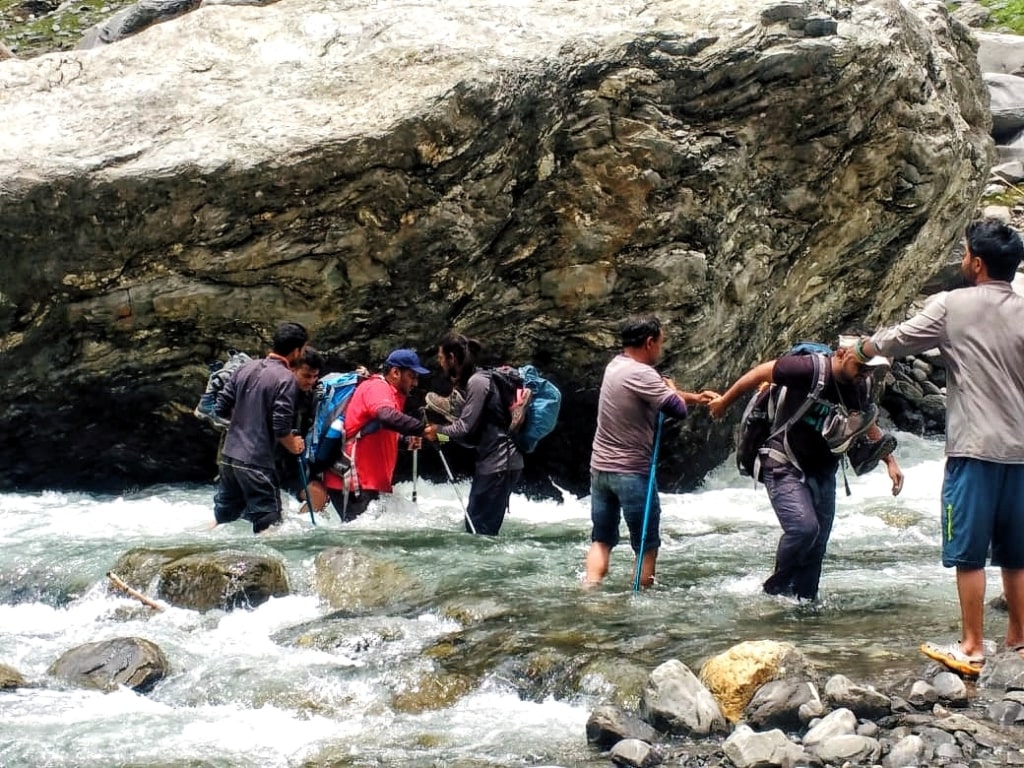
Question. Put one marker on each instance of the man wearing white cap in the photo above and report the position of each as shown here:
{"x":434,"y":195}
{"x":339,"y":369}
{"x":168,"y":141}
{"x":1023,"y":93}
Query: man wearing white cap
{"x":800,"y":459}
{"x":979,"y":332}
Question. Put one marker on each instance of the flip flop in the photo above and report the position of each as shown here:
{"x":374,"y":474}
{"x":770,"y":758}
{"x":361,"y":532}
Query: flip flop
{"x":951,"y":657}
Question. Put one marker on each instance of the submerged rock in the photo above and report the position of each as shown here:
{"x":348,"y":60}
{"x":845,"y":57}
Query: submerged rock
{"x":10,"y":678}
{"x":129,"y":661}
{"x":348,"y":578}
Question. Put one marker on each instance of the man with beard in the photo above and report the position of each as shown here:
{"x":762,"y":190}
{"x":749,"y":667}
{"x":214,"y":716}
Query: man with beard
{"x":979,"y":331}
{"x":482,"y":424}
{"x":374,"y":422}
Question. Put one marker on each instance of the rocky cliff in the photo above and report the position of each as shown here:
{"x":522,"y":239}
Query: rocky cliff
{"x":526,"y":172}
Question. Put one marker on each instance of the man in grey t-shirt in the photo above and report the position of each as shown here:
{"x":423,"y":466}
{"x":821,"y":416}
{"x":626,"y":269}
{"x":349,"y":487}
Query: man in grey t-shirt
{"x":979,"y":331}
{"x":632,"y":395}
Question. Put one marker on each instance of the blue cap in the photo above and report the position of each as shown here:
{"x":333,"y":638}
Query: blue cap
{"x":405,"y":358}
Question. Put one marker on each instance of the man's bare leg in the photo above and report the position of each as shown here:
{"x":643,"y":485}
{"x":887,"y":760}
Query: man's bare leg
{"x":597,"y":562}
{"x":1013,"y":591}
{"x":970,"y":588}
{"x":647,"y":568}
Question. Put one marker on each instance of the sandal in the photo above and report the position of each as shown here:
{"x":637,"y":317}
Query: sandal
{"x":951,"y":657}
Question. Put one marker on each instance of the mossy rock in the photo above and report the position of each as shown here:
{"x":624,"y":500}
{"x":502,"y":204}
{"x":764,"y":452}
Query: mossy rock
{"x":139,"y":567}
{"x":432,"y":692}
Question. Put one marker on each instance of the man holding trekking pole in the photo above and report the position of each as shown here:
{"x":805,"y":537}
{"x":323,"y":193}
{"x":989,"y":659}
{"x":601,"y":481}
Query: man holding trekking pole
{"x":633,"y":395}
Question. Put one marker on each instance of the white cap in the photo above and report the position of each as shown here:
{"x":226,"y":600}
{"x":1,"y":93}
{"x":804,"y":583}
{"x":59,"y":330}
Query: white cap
{"x":850,"y":341}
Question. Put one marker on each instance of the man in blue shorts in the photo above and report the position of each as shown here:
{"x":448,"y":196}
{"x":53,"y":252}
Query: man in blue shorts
{"x":979,"y":330}
{"x":632,"y":394}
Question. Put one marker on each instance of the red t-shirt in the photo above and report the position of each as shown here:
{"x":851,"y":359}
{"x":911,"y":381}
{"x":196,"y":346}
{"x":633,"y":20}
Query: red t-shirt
{"x":376,"y":452}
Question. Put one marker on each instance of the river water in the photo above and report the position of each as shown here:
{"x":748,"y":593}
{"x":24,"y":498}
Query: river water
{"x":498,"y":662}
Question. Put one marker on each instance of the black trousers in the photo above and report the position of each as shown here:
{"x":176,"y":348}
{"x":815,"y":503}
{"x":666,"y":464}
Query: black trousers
{"x":488,"y":501}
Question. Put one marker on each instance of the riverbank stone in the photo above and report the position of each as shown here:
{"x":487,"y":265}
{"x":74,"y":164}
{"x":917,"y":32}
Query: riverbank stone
{"x":226,"y":579}
{"x":608,"y":725}
{"x":635,"y":754}
{"x":736,"y":674}
{"x":863,"y":701}
{"x":747,"y":748}
{"x":676,"y":702}
{"x":777,"y":704}
{"x":1003,"y":671}
{"x":133,"y":662}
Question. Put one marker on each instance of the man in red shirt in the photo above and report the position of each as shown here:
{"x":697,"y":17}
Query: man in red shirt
{"x":374,"y":421}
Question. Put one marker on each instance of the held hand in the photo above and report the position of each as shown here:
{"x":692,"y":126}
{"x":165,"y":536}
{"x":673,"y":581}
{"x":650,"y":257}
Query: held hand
{"x":718,"y":407}
{"x":294,"y":444}
{"x":414,"y":443}
{"x":896,"y":475}
{"x":430,"y":433}
{"x":707,"y":395}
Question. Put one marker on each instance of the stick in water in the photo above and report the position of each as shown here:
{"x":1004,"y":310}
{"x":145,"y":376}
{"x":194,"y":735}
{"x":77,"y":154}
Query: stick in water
{"x":133,"y":592}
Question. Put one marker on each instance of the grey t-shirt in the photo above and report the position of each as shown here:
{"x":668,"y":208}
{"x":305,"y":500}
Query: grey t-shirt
{"x":632,"y":393}
{"x":260,"y":400}
{"x":979,"y":332}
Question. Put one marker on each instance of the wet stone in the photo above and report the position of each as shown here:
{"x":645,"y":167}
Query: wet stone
{"x":950,"y":689}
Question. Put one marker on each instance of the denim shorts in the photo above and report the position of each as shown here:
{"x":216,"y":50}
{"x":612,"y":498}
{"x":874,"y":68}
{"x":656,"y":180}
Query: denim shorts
{"x":982,"y":506}
{"x":615,"y":495}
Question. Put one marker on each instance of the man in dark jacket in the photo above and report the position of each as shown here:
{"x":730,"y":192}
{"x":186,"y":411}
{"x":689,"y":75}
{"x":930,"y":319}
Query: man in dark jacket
{"x":484,"y":425}
{"x":259,"y":399}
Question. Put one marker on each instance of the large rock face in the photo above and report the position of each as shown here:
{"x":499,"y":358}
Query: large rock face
{"x":529,"y":173}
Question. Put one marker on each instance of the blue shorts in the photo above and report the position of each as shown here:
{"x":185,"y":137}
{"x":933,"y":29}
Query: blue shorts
{"x":982,"y":507}
{"x":614,"y":494}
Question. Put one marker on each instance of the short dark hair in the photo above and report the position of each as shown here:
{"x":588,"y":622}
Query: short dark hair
{"x":636,"y":330}
{"x":288,"y":337}
{"x":997,"y":245}
{"x":312,"y":359}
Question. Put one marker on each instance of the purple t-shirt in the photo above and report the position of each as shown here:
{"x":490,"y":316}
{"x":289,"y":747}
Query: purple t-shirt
{"x":632,"y":393}
{"x":796,"y":373}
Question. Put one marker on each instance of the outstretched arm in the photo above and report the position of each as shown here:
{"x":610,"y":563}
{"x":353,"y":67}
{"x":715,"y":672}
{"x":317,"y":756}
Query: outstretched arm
{"x":745,"y":383}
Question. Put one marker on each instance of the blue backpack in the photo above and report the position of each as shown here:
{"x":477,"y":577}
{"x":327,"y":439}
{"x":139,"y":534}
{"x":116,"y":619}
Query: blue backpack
{"x":326,"y":437}
{"x":541,"y":412}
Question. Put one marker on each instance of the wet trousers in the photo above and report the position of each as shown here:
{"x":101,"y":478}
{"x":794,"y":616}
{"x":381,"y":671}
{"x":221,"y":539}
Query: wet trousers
{"x":806,"y":509}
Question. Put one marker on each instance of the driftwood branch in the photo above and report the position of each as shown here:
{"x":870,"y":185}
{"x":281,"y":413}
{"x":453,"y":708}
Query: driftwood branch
{"x":133,"y":592}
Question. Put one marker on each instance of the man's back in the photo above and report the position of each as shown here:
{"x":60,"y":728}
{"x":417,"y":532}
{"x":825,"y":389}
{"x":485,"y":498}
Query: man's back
{"x":631,"y":394}
{"x":260,"y":400}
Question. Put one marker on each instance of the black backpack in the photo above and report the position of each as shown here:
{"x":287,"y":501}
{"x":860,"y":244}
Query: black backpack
{"x":758,"y":424}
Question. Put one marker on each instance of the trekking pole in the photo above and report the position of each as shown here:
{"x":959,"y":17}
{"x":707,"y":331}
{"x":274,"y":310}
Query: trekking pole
{"x":415,"y":472}
{"x":305,"y":487}
{"x":652,"y":488}
{"x":451,"y":480}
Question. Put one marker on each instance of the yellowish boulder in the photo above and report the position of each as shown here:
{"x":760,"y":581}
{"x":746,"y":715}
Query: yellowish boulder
{"x":735,"y":675}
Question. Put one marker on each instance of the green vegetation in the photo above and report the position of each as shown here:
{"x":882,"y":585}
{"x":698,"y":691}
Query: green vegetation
{"x":31,"y":27}
{"x":1007,"y":15}
{"x":1010,"y":197}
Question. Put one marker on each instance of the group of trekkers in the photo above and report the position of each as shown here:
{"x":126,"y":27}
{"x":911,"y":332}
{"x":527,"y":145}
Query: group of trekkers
{"x":818,"y":409}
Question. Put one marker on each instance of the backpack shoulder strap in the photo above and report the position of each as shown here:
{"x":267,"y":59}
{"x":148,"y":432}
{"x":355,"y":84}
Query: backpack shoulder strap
{"x":819,"y":362}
